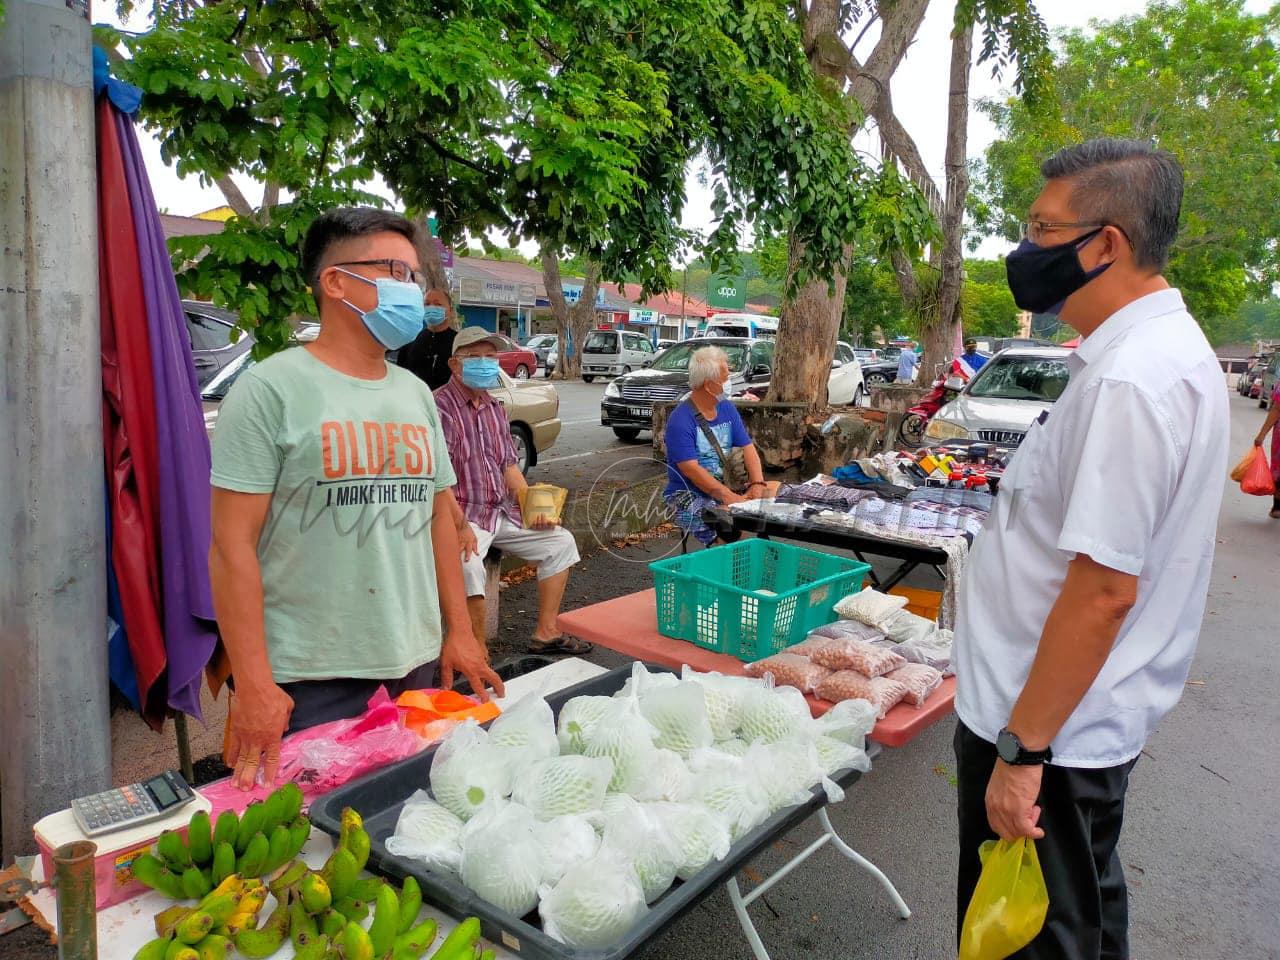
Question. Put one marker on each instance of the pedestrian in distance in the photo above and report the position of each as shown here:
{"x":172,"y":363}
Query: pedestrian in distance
{"x":908,"y":360}
{"x":427,"y":356}
{"x":1269,"y":426}
{"x":334,"y":563}
{"x":1083,"y":597}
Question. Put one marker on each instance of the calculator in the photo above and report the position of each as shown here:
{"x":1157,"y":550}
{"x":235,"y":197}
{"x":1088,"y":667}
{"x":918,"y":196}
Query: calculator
{"x":129,"y":806}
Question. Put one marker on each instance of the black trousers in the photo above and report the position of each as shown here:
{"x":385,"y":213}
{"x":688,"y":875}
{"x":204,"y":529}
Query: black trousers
{"x":1081,"y":812}
{"x":320,"y":701}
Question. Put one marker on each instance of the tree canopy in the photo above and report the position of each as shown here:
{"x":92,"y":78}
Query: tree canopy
{"x":568,"y":123}
{"x":1200,"y":78}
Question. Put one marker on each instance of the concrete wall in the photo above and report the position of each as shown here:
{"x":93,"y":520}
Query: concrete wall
{"x":897,"y":398}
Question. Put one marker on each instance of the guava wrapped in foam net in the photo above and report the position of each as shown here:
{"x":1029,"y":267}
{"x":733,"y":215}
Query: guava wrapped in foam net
{"x":529,"y":726}
{"x":561,"y":786}
{"x":501,"y":857}
{"x":428,"y":833}
{"x":469,"y":771}
{"x":577,"y":718}
{"x":594,"y":904}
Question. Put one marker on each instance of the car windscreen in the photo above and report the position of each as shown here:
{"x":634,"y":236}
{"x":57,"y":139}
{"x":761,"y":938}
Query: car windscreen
{"x":601,"y":341}
{"x":675,"y":359}
{"x":1021,"y":378}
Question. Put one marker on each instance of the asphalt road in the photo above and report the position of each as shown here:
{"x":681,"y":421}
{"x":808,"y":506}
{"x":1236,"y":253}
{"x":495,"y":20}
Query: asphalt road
{"x":1200,"y":845}
{"x":585,"y":450}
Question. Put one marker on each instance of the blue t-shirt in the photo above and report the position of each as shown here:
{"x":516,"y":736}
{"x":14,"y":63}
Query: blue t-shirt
{"x":686,"y":441}
{"x":974,"y":360}
{"x":907,"y":361}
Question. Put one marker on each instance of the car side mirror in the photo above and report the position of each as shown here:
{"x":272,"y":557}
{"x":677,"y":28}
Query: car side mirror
{"x":761,"y":370}
{"x":954,"y":383}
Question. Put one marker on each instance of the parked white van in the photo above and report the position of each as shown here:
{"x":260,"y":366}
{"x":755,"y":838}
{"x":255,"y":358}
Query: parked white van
{"x":755,"y":326}
{"x":612,"y":353}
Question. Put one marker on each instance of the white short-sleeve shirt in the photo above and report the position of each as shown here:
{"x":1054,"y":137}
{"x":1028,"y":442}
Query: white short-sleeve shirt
{"x":1127,"y":468}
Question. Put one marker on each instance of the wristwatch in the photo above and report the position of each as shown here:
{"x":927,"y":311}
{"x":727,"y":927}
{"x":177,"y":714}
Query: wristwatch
{"x":1012,"y":752}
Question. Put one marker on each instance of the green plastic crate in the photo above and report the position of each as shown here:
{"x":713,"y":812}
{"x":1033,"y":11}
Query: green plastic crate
{"x":712,"y":597}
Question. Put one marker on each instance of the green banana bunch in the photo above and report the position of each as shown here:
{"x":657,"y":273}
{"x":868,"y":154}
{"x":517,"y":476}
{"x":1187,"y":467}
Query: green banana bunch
{"x":341,"y":873}
{"x":461,"y":943}
{"x":152,"y":872}
{"x":173,"y":850}
{"x":410,"y":904}
{"x":266,"y":940}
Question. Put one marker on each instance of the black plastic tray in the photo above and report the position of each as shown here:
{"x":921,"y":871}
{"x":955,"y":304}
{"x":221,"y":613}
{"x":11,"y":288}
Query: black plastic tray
{"x":379,"y":796}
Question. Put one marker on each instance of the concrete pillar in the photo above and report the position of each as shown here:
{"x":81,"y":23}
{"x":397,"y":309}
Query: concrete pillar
{"x":54,"y":734}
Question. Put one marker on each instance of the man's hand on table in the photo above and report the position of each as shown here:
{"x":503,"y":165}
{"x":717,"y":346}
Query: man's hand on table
{"x":730,"y":498}
{"x":462,"y":653}
{"x":258,"y":722}
{"x":1012,"y":793}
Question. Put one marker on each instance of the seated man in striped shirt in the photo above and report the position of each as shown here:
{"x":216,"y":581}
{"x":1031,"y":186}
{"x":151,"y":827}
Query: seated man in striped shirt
{"x":488,"y":491}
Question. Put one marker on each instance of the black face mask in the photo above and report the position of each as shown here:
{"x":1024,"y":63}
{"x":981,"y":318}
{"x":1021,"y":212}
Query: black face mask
{"x":1041,"y":278}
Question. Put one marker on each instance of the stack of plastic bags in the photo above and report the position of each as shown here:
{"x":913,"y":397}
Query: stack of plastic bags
{"x":590,"y":818}
{"x":879,"y":653}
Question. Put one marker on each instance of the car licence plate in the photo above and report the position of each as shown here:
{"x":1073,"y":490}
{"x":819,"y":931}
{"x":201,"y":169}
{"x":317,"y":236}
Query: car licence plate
{"x":638,"y":411}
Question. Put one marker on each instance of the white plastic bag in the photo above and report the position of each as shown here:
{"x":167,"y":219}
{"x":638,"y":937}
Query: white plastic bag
{"x":468,"y":771}
{"x":679,"y":713}
{"x":788,"y":770}
{"x":529,"y":726}
{"x":723,"y":698}
{"x":699,"y":836}
{"x":848,"y":720}
{"x":643,"y":681}
{"x":594,"y":905}
{"x":836,"y":755}
{"x":870,"y":606}
{"x":726,"y":786}
{"x":624,"y":736}
{"x":566,"y":842}
{"x":428,"y":833}
{"x":562,"y":786}
{"x":666,"y":777}
{"x":633,"y":835}
{"x":501,"y":857}
{"x":933,"y":650}
{"x":735,"y":747}
{"x":906,"y":627}
{"x":577,"y":717}
{"x":771,"y":713}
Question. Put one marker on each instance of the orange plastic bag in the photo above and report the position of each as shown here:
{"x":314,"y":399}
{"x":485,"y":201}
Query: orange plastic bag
{"x":424,"y":708}
{"x":1258,"y":480}
{"x":1009,"y":903}
{"x":1240,"y":469}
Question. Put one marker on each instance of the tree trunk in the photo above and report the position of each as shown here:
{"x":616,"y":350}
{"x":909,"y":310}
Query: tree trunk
{"x":575,"y":320}
{"x":559,"y":311}
{"x":810,"y":319}
{"x":940,"y":332}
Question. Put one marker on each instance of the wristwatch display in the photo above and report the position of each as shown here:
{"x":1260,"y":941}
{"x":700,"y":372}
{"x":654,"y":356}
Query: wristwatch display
{"x":1012,"y":752}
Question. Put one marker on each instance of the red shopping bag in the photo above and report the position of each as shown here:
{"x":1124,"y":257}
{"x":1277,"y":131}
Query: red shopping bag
{"x":1257,"y":479}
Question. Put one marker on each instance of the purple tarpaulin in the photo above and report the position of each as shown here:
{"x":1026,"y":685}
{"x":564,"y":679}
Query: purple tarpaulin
{"x":183,"y":448}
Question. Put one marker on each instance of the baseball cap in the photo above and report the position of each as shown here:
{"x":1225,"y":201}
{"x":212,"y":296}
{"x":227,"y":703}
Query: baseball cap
{"x":470,"y":336}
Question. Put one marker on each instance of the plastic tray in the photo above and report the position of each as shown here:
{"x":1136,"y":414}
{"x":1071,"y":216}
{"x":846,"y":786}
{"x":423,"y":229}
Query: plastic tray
{"x":379,"y":797}
{"x":751,"y":599}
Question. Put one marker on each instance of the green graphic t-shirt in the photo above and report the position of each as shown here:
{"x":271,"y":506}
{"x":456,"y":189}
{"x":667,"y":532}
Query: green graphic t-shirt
{"x":353,"y":467}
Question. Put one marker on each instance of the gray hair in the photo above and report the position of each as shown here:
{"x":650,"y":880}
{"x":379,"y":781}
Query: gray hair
{"x":1126,"y":183}
{"x":704,"y":365}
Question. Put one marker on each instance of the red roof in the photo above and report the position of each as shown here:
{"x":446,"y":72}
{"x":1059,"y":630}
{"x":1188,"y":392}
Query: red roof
{"x":672,"y":303}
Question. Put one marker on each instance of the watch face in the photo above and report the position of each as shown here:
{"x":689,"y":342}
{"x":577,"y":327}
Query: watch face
{"x":1007,"y":746}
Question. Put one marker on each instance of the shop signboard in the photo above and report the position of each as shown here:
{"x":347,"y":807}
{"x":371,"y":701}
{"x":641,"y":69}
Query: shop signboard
{"x":478,"y":290}
{"x":644,"y":316}
{"x":726,"y":293}
{"x":573,"y":293}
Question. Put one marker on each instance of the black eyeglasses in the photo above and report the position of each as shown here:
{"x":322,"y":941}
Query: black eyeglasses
{"x":398,"y":269}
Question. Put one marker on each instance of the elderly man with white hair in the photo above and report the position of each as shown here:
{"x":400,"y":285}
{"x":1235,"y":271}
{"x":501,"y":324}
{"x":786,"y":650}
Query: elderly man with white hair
{"x":701,"y":435}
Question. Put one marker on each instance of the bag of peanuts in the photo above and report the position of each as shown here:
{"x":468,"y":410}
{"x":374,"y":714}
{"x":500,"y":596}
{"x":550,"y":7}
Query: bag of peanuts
{"x":789,"y":669}
{"x":920,"y":679}
{"x":881,"y":692}
{"x":867,"y":658}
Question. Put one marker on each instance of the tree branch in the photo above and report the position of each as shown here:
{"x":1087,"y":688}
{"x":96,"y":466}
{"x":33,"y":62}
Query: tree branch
{"x":869,"y":81}
{"x":235,"y":199}
{"x":429,"y":253}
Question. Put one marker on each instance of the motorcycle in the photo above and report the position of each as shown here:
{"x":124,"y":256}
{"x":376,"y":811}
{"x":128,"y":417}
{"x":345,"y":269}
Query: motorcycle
{"x":945,"y":389}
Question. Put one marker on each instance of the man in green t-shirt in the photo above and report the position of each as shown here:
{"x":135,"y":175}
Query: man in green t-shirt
{"x":334,"y":549}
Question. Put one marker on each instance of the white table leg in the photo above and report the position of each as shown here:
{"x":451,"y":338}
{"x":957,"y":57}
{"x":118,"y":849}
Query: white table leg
{"x":744,"y":920}
{"x":903,"y":910}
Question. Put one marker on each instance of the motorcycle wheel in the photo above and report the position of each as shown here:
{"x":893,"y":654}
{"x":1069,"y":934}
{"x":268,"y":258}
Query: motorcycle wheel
{"x":912,"y":429}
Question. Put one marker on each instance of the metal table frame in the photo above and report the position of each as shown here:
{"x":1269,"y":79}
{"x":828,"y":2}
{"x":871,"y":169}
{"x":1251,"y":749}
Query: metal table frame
{"x":911,"y":555}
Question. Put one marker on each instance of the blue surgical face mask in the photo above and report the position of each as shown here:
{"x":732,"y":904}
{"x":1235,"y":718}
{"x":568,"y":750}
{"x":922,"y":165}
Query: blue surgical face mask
{"x":397,"y":319}
{"x":433,"y":315}
{"x":480,"y":373}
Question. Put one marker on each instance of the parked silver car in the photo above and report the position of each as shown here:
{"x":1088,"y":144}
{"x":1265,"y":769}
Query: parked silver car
{"x":1007,"y":395}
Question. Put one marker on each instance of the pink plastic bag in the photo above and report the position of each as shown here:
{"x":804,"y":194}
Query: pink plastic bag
{"x":867,"y":658}
{"x":881,"y":692}
{"x":323,"y":757}
{"x":790,"y":670}
{"x":920,"y":679}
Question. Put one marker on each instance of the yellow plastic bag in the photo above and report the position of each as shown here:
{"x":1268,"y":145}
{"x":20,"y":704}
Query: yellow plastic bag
{"x":1009,"y":903}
